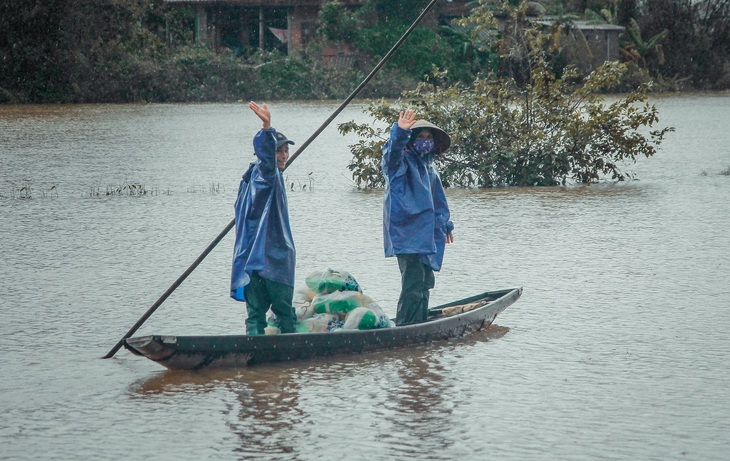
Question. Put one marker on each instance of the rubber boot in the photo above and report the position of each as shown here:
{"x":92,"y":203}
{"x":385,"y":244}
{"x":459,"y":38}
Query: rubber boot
{"x":416,"y":280}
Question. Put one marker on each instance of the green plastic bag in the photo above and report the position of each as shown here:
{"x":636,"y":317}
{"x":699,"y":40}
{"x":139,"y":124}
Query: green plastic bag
{"x":339,"y":302}
{"x":367,"y":318}
{"x":330,"y":281}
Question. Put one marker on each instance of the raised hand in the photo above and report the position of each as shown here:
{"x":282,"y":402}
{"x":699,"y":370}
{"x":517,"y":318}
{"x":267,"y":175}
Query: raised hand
{"x":407,"y":119}
{"x":262,"y":112}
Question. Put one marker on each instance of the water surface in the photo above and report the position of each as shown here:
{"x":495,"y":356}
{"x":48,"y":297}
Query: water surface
{"x":617,"y":349}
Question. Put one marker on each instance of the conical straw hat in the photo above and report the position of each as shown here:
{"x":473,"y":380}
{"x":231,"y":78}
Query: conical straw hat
{"x":440,"y":137}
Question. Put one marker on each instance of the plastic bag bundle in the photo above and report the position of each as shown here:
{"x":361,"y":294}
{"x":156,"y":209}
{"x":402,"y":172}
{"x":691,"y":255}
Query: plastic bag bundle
{"x":302,"y":303}
{"x":319,"y":323}
{"x":304,"y":293}
{"x":327,"y":301}
{"x":367,"y":318}
{"x":330,"y":281}
{"x":339,"y":302}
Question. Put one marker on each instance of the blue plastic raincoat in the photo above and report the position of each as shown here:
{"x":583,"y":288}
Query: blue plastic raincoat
{"x":415,"y":212}
{"x":264,"y":241}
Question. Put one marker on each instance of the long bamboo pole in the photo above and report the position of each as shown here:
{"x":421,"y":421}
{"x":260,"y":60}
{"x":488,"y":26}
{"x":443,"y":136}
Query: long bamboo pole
{"x":306,"y":143}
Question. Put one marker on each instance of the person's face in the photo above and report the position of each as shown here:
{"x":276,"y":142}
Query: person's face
{"x":282,"y":155}
{"x":425,"y":134}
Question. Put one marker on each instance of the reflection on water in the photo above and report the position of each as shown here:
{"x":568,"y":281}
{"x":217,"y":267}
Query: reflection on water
{"x":270,"y":407}
{"x":616,"y":350}
{"x":418,"y":408}
{"x":267,"y":414}
{"x":256,"y":377}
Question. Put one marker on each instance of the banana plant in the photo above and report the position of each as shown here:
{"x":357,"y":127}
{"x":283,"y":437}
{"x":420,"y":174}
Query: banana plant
{"x":637,"y":49}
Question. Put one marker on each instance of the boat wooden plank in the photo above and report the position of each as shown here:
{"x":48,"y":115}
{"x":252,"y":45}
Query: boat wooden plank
{"x":232,"y":351}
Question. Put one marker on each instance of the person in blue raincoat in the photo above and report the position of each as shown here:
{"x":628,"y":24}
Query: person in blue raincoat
{"x":416,"y":225}
{"x":264,"y":255}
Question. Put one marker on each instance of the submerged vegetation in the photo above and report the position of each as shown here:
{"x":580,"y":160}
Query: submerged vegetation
{"x":27,"y":191}
{"x":552,"y":129}
{"x":295,"y":183}
{"x":723,"y":172}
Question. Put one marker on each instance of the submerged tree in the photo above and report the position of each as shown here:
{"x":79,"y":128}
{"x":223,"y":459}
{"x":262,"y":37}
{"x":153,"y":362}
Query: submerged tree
{"x":549,"y":128}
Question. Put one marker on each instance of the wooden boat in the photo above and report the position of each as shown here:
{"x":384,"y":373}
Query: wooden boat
{"x":447,"y":321}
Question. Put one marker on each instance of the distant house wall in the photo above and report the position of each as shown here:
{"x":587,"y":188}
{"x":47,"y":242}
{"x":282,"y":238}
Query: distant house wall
{"x":588,"y":46}
{"x":244,"y":25}
{"x":288,"y":25}
{"x":603,"y":41}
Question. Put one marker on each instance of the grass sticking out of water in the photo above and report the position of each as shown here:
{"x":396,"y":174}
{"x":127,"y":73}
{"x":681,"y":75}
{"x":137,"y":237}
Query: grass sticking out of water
{"x":299,"y":184}
{"x":725,"y":172}
{"x":27,"y":191}
{"x":212,"y":188}
{"x":132,"y":189}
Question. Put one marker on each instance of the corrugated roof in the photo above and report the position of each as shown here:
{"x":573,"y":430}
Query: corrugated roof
{"x":584,"y":25}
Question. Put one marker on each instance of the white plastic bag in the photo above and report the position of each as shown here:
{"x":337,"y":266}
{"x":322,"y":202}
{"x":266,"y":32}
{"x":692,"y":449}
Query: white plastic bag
{"x":318,"y":323}
{"x":330,"y":281}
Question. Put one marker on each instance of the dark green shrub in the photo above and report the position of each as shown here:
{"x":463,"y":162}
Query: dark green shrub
{"x":548,"y":131}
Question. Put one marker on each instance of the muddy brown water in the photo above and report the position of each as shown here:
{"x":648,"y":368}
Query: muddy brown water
{"x":617,"y":349}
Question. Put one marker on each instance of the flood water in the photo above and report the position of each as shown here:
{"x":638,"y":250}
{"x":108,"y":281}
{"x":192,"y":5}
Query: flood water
{"x":617,"y":350}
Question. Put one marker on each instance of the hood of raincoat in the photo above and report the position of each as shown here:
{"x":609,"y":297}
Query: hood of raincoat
{"x":264,"y":241}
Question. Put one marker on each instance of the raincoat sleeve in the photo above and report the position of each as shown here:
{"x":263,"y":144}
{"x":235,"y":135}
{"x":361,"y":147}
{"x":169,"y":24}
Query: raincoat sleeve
{"x":393,"y":150}
{"x":441,"y":207}
{"x":264,"y":144}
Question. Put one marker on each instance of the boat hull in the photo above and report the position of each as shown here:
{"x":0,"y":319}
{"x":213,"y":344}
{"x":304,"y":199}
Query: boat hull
{"x":232,"y":351}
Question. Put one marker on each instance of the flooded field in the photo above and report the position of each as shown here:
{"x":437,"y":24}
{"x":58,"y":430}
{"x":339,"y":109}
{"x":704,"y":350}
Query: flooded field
{"x":617,"y":349}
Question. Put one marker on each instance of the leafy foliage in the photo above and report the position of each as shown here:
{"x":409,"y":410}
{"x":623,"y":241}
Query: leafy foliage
{"x":376,"y":25}
{"x":637,"y":48}
{"x":131,"y":50}
{"x":697,"y":45}
{"x":550,"y":129}
{"x":336,"y":23}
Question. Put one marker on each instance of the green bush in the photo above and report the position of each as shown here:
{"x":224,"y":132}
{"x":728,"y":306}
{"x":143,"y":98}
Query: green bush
{"x":549,"y":131}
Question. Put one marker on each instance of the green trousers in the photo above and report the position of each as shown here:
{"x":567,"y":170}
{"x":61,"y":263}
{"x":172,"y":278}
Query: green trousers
{"x":416,"y":279}
{"x":261,"y":295}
